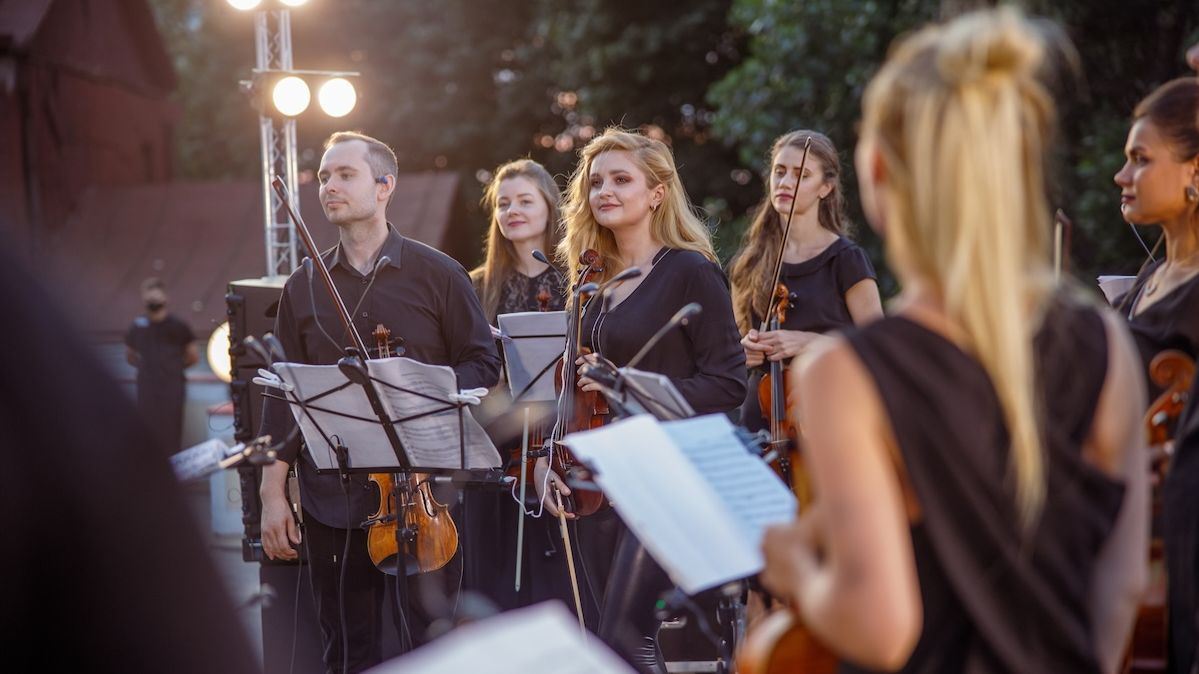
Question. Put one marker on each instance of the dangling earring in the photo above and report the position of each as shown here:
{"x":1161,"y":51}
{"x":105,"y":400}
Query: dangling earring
{"x":1192,"y":194}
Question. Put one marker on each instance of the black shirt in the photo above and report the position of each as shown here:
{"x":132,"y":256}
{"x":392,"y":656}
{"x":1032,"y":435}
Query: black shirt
{"x":704,"y":358}
{"x":161,"y":347}
{"x":994,"y":601}
{"x":424,"y":297}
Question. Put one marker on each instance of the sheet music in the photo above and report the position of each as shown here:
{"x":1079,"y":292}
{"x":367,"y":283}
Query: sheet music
{"x":534,"y":340}
{"x":199,"y":460}
{"x":1115,"y":286}
{"x":703,"y":532}
{"x":537,"y":638}
{"x":430,"y":442}
{"x":712,"y":445}
{"x":430,"y":439}
{"x":365,"y":438}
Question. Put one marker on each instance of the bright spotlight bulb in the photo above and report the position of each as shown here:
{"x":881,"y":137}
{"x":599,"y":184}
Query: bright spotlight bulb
{"x":291,"y":96}
{"x":337,"y":97}
{"x":218,"y":353}
{"x":294,"y":3}
{"x":244,"y":5}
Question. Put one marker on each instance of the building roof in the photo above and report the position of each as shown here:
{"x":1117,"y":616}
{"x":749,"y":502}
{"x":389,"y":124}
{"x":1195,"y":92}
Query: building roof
{"x":197,"y":237}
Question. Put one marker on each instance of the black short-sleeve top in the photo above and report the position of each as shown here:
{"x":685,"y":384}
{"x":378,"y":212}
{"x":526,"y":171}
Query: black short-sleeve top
{"x":819,"y":284}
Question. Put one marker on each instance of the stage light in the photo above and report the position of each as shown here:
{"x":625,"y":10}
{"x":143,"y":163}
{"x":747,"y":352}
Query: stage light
{"x":291,"y":96}
{"x":294,"y":3}
{"x":244,"y":5}
{"x":337,"y":97}
{"x":218,"y":353}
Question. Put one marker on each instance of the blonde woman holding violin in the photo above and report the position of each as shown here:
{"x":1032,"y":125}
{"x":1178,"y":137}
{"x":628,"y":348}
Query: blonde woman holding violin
{"x":626,"y":202}
{"x":977,"y":457}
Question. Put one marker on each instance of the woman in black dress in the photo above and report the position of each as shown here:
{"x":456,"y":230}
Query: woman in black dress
{"x":977,"y":457}
{"x":626,"y":202}
{"x":1159,"y":185}
{"x":830,"y":277}
{"x":522,"y":199}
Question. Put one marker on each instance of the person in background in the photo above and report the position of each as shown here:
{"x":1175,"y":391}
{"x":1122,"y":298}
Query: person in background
{"x":161,"y":346}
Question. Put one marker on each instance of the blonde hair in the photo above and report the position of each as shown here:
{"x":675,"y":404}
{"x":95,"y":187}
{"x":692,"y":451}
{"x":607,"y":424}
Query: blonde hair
{"x":962,"y":123}
{"x":750,"y":271}
{"x":674,"y":224}
{"x":499,"y":255}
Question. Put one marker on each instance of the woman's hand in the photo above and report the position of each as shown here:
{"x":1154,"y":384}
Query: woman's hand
{"x":584,"y":362}
{"x":755,"y":352}
{"x":546,"y":481}
{"x":784,"y":344}
{"x":791,"y":557}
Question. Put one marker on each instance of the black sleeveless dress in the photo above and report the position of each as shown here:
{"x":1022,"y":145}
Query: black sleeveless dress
{"x":993,"y":602}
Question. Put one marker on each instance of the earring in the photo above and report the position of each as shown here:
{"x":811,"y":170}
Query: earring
{"x":654,"y":208}
{"x":1192,"y":194}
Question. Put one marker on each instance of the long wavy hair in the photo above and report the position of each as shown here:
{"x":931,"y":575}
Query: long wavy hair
{"x":675,"y":223}
{"x":751,"y":269}
{"x":499,"y":256}
{"x":962,"y":121}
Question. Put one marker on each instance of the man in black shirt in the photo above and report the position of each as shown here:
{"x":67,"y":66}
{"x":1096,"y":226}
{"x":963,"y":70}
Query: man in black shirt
{"x":161,"y":347}
{"x":425,"y":298}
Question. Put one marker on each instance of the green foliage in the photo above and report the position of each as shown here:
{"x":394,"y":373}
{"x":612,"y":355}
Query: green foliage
{"x":463,"y":86}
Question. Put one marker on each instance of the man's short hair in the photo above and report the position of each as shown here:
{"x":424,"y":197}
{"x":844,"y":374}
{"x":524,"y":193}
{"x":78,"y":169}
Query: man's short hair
{"x":380,"y":157}
{"x":153,"y":283}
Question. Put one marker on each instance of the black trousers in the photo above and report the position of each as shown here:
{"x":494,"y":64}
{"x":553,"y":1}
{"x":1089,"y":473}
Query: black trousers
{"x":628,"y":623}
{"x":367,"y":590}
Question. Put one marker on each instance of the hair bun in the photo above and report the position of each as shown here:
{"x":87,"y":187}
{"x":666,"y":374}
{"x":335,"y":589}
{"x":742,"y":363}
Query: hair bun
{"x":989,"y":43}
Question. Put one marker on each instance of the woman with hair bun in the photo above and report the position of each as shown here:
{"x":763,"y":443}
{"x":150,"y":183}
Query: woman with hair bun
{"x":977,"y":457}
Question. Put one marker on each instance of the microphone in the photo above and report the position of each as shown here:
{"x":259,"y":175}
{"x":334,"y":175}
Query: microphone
{"x":540,"y":257}
{"x":681,"y":317}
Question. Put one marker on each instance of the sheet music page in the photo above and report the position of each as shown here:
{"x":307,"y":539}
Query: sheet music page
{"x":751,"y":490}
{"x":363,"y":435}
{"x":1115,"y":286}
{"x":534,"y":341}
{"x":537,"y":638}
{"x":674,"y":509}
{"x":431,"y":440}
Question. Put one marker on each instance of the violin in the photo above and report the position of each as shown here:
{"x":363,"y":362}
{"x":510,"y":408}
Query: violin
{"x":1173,"y":371}
{"x":775,"y":399}
{"x":427,"y":522}
{"x":577,"y":410}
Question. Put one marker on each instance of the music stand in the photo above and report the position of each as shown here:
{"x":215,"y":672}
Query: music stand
{"x":533,"y":342}
{"x":654,"y":392}
{"x":391,"y":415}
